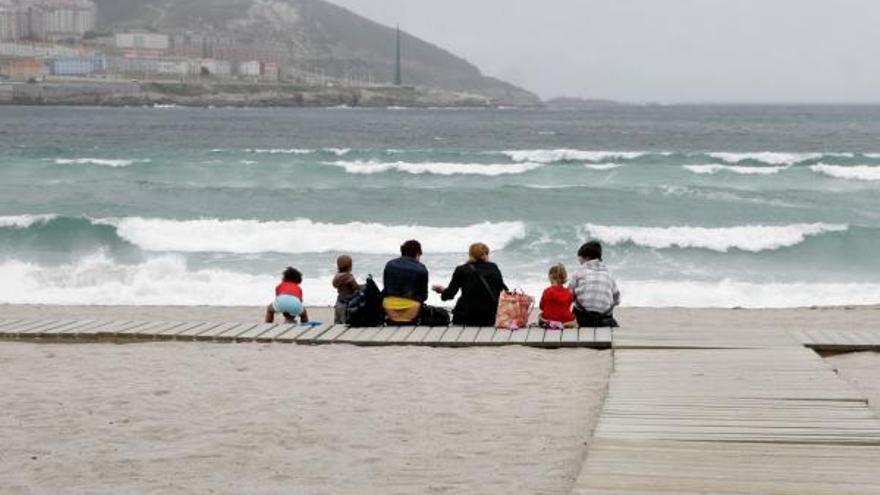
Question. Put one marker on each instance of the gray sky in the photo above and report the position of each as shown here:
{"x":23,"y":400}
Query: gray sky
{"x":658,"y":50}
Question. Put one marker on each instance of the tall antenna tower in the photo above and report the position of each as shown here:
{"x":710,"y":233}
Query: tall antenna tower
{"x":398,"y":74}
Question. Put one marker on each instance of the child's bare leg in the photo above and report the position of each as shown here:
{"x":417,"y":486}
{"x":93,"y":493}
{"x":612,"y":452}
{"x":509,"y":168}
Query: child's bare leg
{"x":270,"y":314}
{"x":304,"y":317}
{"x":571,"y":324}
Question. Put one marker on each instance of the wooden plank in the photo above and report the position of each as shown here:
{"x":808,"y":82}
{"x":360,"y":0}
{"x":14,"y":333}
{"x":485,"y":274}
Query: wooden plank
{"x":280,"y":330}
{"x":29,"y":325}
{"x":34,"y":331}
{"x":359,"y":336}
{"x":519,"y":337}
{"x":417,"y":336}
{"x":193,"y":332}
{"x":311,"y":335}
{"x":173,"y":331}
{"x":211,"y":334}
{"x":292,"y":333}
{"x":436,"y":335}
{"x":67,"y":331}
{"x":484,"y":336}
{"x":502,"y":336}
{"x":449,"y":336}
{"x":252,"y":334}
{"x":467,"y":336}
{"x":536,"y":336}
{"x":333,"y":333}
{"x":385,"y":334}
{"x":233,"y":332}
{"x":400,"y":337}
{"x":552,"y":338}
{"x":570,"y":337}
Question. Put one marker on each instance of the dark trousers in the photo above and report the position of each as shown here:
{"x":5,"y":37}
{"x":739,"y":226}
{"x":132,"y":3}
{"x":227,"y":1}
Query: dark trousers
{"x":592,"y":319}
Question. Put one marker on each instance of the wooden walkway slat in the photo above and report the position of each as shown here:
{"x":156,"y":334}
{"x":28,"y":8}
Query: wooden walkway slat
{"x":708,"y":411}
{"x":331,"y":334}
{"x":309,"y":336}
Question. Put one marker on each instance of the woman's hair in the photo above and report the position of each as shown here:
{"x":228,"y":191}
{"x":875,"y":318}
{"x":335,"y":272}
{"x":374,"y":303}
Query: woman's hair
{"x":293,"y":275}
{"x":478,"y":251}
{"x":558,"y":274}
{"x":344,"y":263}
{"x":411,"y":249}
{"x":591,"y":251}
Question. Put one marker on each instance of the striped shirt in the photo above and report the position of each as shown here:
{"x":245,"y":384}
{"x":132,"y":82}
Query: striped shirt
{"x":594,"y":289}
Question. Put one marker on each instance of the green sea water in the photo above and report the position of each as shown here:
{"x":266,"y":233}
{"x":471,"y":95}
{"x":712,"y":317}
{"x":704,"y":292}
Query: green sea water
{"x":696,"y":205}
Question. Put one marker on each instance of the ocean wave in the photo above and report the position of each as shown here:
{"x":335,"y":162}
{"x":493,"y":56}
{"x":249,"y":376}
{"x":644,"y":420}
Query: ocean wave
{"x":739,"y":294}
{"x":854,"y":172}
{"x":446,"y":169}
{"x":24,"y":221}
{"x":167,"y":279}
{"x":567,"y":155}
{"x":873,"y":156}
{"x":98,"y":279}
{"x":305,"y":236}
{"x":713,"y":169}
{"x":768,"y":157}
{"x":298,"y":151}
{"x":603,"y":166}
{"x":104,"y":162}
{"x":751,"y":238}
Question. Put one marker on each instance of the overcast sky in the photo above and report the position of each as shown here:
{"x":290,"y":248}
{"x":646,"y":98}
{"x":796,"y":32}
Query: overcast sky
{"x":658,"y":50}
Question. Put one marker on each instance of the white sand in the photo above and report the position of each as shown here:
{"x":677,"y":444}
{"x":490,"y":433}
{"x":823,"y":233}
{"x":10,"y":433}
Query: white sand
{"x":862,"y":369}
{"x":203,"y":418}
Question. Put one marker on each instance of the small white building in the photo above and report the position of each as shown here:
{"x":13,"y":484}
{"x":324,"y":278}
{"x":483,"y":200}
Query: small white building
{"x":249,"y":69}
{"x":142,"y":41}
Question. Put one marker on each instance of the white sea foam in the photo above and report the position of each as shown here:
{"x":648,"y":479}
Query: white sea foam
{"x":768,"y":157}
{"x":374,"y":167}
{"x":752,"y":238}
{"x":305,"y":236}
{"x":563,"y":155}
{"x":855,"y":172}
{"x":280,"y":151}
{"x":104,"y":162}
{"x":24,"y":221}
{"x":603,"y":166}
{"x":873,"y":156}
{"x":731,"y":294}
{"x":298,"y":151}
{"x":713,"y":169}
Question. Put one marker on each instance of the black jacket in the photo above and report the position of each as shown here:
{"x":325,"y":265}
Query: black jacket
{"x":407,"y":278}
{"x":477,"y":305}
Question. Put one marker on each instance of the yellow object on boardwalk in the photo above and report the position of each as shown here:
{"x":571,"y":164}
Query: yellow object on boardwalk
{"x":400,"y":309}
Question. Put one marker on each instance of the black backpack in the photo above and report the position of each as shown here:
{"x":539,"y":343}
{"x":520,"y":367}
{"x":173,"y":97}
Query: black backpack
{"x":365,"y":307}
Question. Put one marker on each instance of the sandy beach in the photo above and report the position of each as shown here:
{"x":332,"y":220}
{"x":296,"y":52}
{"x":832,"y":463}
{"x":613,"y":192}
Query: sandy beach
{"x":185,"y":418}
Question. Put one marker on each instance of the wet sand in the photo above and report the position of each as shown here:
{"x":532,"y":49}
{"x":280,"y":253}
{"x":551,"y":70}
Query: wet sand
{"x":204,"y":418}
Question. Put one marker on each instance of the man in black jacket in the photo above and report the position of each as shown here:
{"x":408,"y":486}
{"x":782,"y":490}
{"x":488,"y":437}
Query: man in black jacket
{"x":480,"y":282}
{"x":406,"y":289}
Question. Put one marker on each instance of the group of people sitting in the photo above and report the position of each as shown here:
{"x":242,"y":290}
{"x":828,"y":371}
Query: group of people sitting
{"x":588,"y":299}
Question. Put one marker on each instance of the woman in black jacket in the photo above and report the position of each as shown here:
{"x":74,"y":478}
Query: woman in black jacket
{"x":480,"y":282}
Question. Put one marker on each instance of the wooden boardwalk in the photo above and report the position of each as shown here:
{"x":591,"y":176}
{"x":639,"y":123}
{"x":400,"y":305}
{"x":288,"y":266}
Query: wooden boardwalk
{"x":688,"y":410}
{"x":281,"y":333}
{"x":740,"y":411}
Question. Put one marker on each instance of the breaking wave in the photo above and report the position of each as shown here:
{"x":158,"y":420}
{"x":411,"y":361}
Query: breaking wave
{"x":713,"y":169}
{"x":751,"y":238}
{"x":565,"y":155}
{"x":104,"y":162}
{"x":855,"y":172}
{"x":298,"y":151}
{"x":603,"y":166}
{"x":771,"y":157}
{"x":446,"y":169}
{"x":25,"y":221}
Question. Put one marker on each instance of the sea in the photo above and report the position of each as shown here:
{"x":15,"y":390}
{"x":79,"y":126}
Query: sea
{"x":696,"y":205}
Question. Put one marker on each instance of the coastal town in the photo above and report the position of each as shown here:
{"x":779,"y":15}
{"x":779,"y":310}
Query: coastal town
{"x":45,"y":40}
